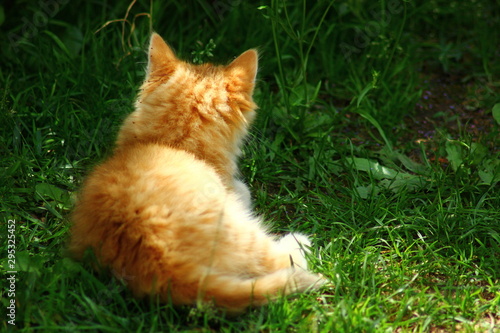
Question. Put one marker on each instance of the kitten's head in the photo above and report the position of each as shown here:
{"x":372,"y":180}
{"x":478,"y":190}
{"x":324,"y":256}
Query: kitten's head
{"x":202,"y":109}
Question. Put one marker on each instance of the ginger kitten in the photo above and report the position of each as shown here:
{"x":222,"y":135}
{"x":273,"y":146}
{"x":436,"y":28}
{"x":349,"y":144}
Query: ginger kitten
{"x":166,"y":209}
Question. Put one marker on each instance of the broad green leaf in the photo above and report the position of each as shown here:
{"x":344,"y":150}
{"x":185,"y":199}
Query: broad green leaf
{"x":374,"y":168}
{"x":365,"y":192}
{"x":73,"y":39}
{"x":389,"y":178}
{"x":478,"y":152}
{"x":407,"y":162}
{"x":52,"y":192}
{"x":486,"y":177}
{"x":26,"y":263}
{"x":454,"y":154}
{"x":408,"y":182}
{"x":53,"y":197}
{"x":490,"y":172}
{"x":496,"y":113}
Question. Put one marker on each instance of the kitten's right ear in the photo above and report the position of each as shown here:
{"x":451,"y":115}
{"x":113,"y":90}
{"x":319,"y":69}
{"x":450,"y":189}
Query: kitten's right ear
{"x":161,"y":58}
{"x":245,"y":66}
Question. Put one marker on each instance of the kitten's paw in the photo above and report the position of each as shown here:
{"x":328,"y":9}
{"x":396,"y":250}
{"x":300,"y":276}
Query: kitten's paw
{"x":295,"y":241}
{"x":296,"y":245}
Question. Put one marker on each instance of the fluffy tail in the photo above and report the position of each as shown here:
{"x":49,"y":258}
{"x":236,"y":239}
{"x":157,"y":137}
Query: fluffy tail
{"x":235,"y":293}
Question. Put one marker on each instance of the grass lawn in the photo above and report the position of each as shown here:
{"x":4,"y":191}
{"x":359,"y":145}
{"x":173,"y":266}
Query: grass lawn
{"x":377,"y":133}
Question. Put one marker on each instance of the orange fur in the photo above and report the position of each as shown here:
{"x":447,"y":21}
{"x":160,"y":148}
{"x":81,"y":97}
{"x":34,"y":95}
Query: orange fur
{"x":167,"y":211}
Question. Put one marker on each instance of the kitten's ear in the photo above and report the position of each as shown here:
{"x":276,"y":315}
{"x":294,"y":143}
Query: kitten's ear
{"x":161,"y":58}
{"x":245,"y":66}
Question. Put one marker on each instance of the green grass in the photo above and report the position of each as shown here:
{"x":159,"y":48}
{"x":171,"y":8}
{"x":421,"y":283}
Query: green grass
{"x":406,"y":224}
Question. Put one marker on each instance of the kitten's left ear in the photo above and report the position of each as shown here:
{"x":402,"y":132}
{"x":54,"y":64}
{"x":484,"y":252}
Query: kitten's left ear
{"x":161,"y":58}
{"x":245,"y":66}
